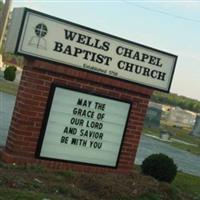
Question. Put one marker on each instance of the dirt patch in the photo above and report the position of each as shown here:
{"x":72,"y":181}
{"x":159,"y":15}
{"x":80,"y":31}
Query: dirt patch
{"x":73,"y":185}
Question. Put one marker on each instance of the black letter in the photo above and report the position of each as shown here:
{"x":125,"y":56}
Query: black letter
{"x":117,"y":50}
{"x":119,"y":64}
{"x":161,"y":76}
{"x":100,"y":58}
{"x":81,"y":38}
{"x":108,"y":59}
{"x":68,"y":50}
{"x":146,"y":71}
{"x":154,"y":73}
{"x":80,"y":102}
{"x":77,"y":51}
{"x":70,"y":35}
{"x":106,"y":46}
{"x":158,"y":62}
{"x":58,"y":47}
{"x":144,"y":57}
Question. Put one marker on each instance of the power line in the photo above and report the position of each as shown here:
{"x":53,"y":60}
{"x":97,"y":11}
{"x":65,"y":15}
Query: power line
{"x":164,"y":13}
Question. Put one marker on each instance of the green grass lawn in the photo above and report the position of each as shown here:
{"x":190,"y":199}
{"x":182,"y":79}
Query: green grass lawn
{"x":187,"y":183}
{"x":13,"y":194}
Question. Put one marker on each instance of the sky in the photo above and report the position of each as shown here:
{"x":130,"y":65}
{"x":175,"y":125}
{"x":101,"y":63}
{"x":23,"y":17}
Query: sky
{"x":171,"y":26}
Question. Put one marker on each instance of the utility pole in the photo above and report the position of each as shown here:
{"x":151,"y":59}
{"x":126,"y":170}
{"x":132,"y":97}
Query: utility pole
{"x":4,"y":19}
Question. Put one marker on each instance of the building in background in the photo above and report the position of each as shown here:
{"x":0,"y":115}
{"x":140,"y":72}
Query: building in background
{"x":180,"y":118}
{"x":153,"y":115}
{"x":172,"y":116}
{"x":196,"y":128}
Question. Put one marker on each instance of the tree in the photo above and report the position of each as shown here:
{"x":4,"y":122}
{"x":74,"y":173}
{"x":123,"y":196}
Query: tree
{"x":175,"y":100}
{"x":1,"y":6}
{"x":4,"y":19}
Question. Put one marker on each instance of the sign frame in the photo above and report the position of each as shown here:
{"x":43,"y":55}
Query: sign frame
{"x":74,"y":66}
{"x":46,"y":118}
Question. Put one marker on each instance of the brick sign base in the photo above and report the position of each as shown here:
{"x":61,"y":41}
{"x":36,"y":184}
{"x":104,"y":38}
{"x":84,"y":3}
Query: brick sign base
{"x":31,"y":103}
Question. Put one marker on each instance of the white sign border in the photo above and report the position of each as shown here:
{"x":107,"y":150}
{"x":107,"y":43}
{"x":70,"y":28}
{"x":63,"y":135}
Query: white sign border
{"x":45,"y":122}
{"x":20,"y":52}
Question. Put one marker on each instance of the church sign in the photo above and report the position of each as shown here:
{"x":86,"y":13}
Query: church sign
{"x":45,"y":37}
{"x":84,"y":128}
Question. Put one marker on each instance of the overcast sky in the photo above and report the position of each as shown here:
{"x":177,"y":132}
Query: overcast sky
{"x":171,"y":26}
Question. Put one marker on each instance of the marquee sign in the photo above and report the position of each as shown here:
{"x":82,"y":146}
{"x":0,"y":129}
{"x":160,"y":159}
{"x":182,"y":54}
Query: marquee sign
{"x":84,"y":128}
{"x":45,"y":37}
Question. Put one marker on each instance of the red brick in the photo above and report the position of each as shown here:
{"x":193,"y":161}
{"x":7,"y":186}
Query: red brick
{"x":32,"y":100}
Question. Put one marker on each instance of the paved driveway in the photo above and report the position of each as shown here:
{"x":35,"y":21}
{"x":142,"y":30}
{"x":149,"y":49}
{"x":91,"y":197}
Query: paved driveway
{"x":7,"y":103}
{"x":185,"y":161}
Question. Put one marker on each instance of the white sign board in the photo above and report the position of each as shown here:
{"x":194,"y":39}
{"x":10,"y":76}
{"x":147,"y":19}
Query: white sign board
{"x":83,"y":128}
{"x":49,"y":38}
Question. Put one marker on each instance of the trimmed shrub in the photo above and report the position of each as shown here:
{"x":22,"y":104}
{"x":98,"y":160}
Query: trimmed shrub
{"x":159,"y":166}
{"x":10,"y":73}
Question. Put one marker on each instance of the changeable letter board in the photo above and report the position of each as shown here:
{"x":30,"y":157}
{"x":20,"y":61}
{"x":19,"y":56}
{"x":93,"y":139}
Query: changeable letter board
{"x":83,"y":128}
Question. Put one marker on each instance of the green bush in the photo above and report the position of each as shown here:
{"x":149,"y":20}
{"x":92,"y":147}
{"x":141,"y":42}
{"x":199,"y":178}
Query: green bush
{"x":10,"y":73}
{"x":159,"y":166}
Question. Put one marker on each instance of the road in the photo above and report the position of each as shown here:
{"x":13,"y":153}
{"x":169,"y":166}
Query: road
{"x":185,"y":161}
{"x":6,"y":109}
